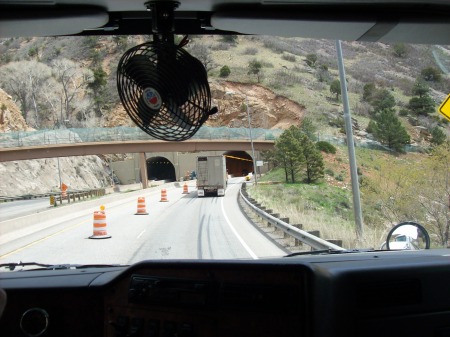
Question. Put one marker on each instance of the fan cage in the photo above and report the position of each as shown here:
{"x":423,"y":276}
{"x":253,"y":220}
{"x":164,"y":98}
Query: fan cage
{"x":177,"y":84}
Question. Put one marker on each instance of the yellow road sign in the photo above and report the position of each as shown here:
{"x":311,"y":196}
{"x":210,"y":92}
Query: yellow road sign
{"x":444,"y":109}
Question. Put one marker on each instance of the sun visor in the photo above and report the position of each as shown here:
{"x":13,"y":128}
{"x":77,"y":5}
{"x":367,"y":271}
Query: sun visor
{"x":50,"y":22}
{"x":421,"y":33}
{"x":291,"y":26}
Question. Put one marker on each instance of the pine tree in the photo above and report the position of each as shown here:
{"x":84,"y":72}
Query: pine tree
{"x":288,"y":152}
{"x":314,"y":166}
{"x":369,"y":90}
{"x":388,"y":130}
{"x":382,"y":99}
{"x":254,"y":68}
{"x":296,"y":153}
{"x":308,"y":127}
{"x":422,"y":104}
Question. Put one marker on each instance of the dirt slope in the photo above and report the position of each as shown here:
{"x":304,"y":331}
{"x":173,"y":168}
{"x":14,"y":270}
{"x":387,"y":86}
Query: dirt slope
{"x":10,"y":117}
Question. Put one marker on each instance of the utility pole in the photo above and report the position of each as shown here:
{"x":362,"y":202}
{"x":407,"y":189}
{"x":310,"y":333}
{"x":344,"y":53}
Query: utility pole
{"x":350,"y":145}
{"x":247,"y":108}
{"x":251,"y":139}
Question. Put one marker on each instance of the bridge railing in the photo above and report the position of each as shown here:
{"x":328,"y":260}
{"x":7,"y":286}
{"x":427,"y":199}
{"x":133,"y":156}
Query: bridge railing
{"x":81,"y":135}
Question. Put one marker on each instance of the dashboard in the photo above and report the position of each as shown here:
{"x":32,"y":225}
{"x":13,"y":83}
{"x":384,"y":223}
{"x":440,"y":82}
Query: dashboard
{"x":352,"y":294}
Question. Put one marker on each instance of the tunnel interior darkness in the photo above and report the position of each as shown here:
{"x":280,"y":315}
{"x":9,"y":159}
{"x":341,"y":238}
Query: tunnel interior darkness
{"x":160,"y":168}
{"x":239,"y":163}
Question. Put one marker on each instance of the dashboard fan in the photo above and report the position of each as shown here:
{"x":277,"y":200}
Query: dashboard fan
{"x":164,"y":90}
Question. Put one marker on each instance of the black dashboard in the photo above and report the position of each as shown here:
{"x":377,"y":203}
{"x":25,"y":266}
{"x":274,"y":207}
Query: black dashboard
{"x":357,"y":294}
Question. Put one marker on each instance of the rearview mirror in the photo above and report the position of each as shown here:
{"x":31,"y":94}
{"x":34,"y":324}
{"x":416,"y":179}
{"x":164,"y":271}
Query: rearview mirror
{"x":408,"y":236}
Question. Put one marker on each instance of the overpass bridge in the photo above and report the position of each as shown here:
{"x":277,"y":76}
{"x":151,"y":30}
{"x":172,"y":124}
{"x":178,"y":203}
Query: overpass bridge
{"x":131,"y":146}
{"x":176,"y":157}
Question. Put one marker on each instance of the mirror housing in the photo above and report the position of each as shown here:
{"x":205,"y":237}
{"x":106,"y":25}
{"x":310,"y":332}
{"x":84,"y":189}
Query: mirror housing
{"x":408,"y":235}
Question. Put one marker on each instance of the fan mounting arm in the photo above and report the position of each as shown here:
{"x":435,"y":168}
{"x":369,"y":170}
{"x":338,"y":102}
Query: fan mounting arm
{"x":163,"y":20}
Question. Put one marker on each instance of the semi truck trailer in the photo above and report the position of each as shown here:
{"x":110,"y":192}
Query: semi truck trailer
{"x":212,"y":175}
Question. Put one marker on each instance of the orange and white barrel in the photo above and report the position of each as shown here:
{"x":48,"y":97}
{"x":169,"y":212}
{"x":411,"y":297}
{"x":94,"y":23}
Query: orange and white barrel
{"x":141,"y":209}
{"x":185,"y":189}
{"x":100,"y":227}
{"x":164,"y":195}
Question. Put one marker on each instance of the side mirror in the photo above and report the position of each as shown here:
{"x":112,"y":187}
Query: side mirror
{"x":408,"y":236}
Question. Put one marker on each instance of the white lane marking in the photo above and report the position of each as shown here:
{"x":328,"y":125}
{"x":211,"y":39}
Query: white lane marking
{"x":247,"y":248}
{"x":141,"y":234}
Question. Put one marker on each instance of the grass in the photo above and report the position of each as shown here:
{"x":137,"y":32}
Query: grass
{"x":328,"y":205}
{"x":321,"y":207}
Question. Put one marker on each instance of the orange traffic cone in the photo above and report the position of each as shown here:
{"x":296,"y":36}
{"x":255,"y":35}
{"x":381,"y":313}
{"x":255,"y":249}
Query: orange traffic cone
{"x":141,"y":207}
{"x":185,"y":189}
{"x":100,"y":231}
{"x":163,"y":195}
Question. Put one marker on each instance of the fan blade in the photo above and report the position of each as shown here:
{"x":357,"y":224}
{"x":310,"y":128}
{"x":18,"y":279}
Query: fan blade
{"x":179,"y":117}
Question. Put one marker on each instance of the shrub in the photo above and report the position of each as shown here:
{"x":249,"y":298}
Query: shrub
{"x":289,"y":57}
{"x":220,"y":46}
{"x":438,"y":136}
{"x":33,"y":51}
{"x":339,"y":177}
{"x":311,"y":60}
{"x":431,"y":74}
{"x":229,"y":38}
{"x":282,"y":78}
{"x":250,"y":51}
{"x":403,"y":112}
{"x":326,"y":147}
{"x":225,"y":71}
{"x":400,"y":50}
{"x":330,"y":172}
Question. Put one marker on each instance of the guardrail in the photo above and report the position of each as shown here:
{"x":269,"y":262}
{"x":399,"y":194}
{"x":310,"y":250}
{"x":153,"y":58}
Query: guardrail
{"x":28,"y":196}
{"x":81,"y":194}
{"x":309,"y":239}
{"x":72,"y":195}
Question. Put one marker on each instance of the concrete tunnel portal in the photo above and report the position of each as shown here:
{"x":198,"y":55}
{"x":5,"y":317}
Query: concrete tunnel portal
{"x":160,"y":168}
{"x":238,"y":164}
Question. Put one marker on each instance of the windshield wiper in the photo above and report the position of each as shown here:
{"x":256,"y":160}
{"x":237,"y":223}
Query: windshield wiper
{"x":43,"y":266}
{"x":12,"y":266}
{"x":331,"y":251}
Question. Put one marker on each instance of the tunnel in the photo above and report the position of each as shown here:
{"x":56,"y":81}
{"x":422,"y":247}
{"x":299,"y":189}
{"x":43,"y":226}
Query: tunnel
{"x":239,"y":163}
{"x":160,"y":168}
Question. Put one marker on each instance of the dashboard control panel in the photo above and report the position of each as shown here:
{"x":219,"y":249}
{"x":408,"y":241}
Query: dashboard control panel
{"x":206,"y":302}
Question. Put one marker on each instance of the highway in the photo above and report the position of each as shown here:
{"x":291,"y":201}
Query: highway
{"x":184,"y":227}
{"x":11,"y":210}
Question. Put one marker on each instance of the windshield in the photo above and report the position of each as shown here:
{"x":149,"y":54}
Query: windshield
{"x":86,"y":181}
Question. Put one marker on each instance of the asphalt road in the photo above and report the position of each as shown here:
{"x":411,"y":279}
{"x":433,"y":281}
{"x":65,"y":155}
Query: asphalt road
{"x":184,"y":227}
{"x":14,"y":209}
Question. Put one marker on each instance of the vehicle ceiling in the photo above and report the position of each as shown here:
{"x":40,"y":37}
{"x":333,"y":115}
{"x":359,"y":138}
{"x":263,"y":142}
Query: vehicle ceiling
{"x":410,"y":21}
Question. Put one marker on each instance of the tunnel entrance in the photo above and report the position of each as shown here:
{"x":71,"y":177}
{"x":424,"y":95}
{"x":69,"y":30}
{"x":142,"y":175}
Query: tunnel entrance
{"x":239,"y":163}
{"x":160,"y":168}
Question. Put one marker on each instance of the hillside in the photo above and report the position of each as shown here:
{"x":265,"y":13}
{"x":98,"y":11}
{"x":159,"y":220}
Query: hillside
{"x":284,"y":71}
{"x":11,"y":118}
{"x":43,"y":175}
{"x":286,"y":89}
